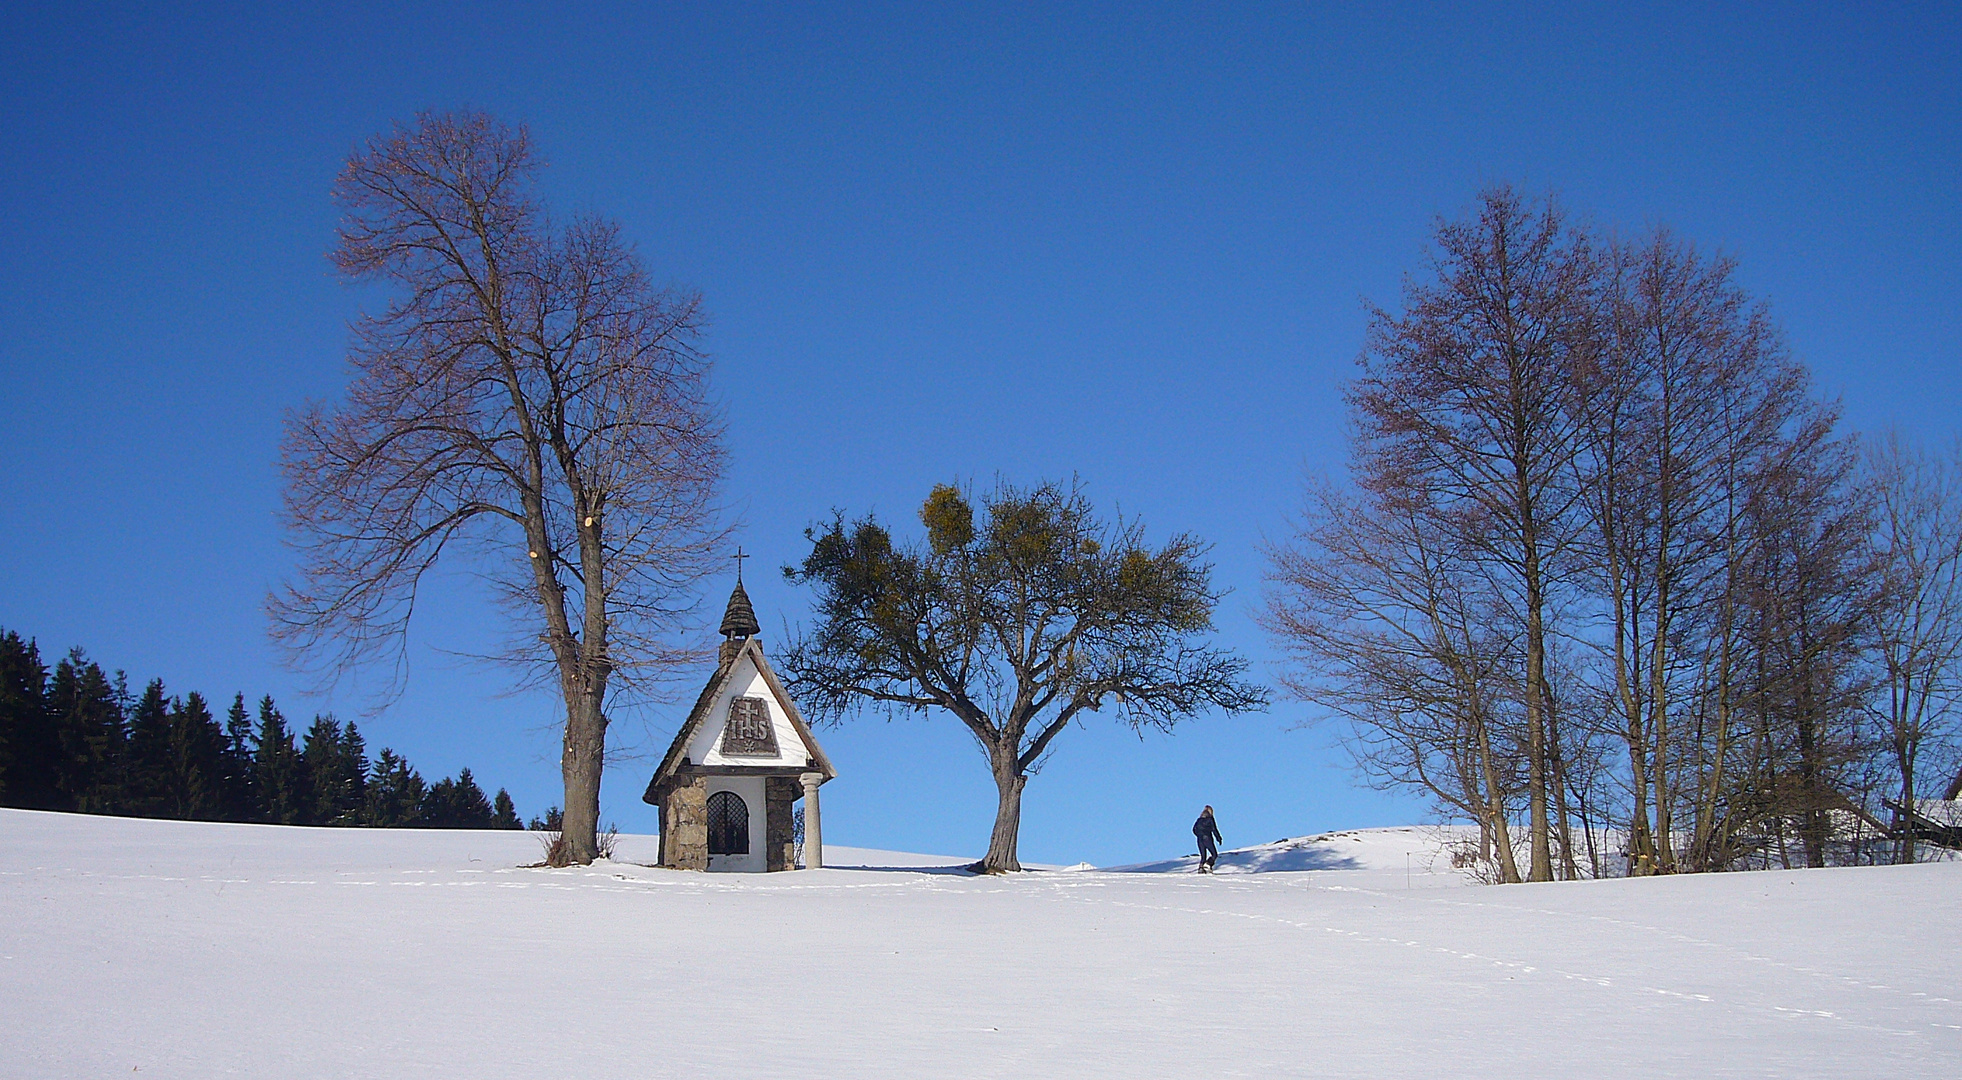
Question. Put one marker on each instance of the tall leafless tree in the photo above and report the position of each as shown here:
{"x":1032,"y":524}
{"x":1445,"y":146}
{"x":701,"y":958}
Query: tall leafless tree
{"x":1686,"y":385}
{"x":528,"y":400}
{"x":1467,"y":393}
{"x":1812,"y":592}
{"x":1919,"y":624}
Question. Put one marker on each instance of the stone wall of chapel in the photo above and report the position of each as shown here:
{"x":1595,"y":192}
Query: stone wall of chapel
{"x":684,"y":825}
{"x":781,"y":843}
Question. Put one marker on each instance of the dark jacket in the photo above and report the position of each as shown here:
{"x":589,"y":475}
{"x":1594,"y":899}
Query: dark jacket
{"x":1207,"y":827}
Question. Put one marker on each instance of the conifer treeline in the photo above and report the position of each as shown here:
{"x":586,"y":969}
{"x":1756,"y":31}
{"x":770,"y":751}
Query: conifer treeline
{"x":77,"y":740}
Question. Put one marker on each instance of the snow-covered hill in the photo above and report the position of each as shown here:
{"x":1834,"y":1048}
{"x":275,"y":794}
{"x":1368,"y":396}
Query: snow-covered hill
{"x":1409,"y":856}
{"x":179,"y":949}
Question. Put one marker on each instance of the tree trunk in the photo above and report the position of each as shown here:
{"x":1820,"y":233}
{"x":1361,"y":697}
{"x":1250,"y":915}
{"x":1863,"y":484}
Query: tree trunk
{"x":1536,"y":779}
{"x":1495,"y":810}
{"x":1905,"y":751}
{"x":1906,"y":705}
{"x":1641,"y":846}
{"x":1665,"y":849}
{"x":1705,"y":847}
{"x":1666,"y":511}
{"x":1708,"y":796}
{"x":585,"y":753}
{"x":1008,"y":816}
{"x":1812,"y":812}
{"x":1563,"y":822}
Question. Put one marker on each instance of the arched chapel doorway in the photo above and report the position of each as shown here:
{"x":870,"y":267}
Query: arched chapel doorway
{"x":728,"y":824}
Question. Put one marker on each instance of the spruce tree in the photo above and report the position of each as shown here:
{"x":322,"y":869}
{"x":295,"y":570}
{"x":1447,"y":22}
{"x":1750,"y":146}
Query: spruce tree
{"x":238,"y":787}
{"x":85,"y":711}
{"x":470,"y":808}
{"x":26,"y":752}
{"x":396,"y":793}
{"x":276,"y":769}
{"x":335,"y":764}
{"x":197,"y":761}
{"x":13,"y":695}
{"x":320,"y":755}
{"x":354,"y":766}
{"x":505,"y":812}
{"x":457,"y":804}
{"x":73,"y":739}
{"x":148,"y":770}
{"x":436,"y":803}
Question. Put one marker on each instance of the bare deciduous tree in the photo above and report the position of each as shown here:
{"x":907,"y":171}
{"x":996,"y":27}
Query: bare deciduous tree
{"x":1811,"y":595}
{"x":1919,"y":625}
{"x":528,"y":396}
{"x":1466,"y":394}
{"x":1686,"y":387}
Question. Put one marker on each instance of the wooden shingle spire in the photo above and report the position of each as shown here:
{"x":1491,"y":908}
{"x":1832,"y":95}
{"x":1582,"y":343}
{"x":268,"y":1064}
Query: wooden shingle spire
{"x":739,"y":621}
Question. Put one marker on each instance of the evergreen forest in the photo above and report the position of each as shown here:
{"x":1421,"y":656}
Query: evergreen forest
{"x":76,"y":739}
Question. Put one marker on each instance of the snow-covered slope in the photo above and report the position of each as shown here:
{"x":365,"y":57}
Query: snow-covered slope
{"x":178,"y":949}
{"x":1410,"y":855}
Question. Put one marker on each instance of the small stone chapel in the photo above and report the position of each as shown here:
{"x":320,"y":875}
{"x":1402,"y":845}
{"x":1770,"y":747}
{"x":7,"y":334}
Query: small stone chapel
{"x":743,"y":757}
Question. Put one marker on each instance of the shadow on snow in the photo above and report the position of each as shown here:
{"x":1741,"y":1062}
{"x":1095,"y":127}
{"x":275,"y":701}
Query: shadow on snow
{"x":1280,"y":857}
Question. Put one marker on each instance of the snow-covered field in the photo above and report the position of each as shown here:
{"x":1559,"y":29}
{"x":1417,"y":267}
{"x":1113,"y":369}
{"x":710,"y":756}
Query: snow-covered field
{"x":175,"y":949}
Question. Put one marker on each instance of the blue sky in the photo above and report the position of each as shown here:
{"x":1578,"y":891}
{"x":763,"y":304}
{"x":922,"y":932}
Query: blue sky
{"x":1130,"y":243}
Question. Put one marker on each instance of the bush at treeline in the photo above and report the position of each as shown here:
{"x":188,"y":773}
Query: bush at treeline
{"x":77,"y":740}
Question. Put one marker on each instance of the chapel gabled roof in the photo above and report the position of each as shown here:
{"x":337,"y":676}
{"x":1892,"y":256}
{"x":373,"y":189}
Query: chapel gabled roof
{"x":673,"y":762}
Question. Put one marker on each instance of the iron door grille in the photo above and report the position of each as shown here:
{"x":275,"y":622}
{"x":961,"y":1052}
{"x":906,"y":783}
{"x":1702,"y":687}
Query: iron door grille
{"x":728,"y":824}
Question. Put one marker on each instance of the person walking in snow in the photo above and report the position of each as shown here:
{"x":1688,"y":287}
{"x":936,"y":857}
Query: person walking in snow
{"x":1207,"y":830}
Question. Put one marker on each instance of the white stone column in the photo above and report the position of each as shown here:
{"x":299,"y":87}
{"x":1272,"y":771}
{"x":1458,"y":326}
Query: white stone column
{"x":813,"y":833}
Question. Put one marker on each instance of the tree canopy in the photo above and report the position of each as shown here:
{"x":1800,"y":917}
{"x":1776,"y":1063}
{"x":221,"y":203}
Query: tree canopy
{"x":1017,"y":624}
